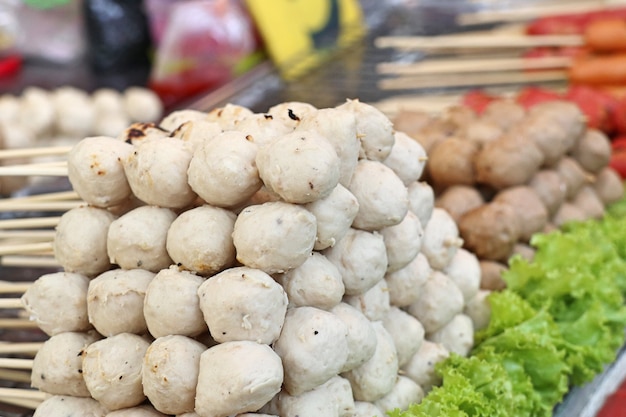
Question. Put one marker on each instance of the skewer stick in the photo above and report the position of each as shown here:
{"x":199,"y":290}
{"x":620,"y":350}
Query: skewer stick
{"x":21,"y":402}
{"x":10,"y":303}
{"x":441,"y":66}
{"x":43,"y":169}
{"x":17,"y":324}
{"x":45,"y":235}
{"x":29,"y":394}
{"x":34,"y":152}
{"x":40,"y":206}
{"x":478,"y":41}
{"x":409,"y":82}
{"x":17,"y":376}
{"x":56,"y":196}
{"x":31,"y":223}
{"x":21,"y":348}
{"x":14,"y":363}
{"x":537,"y":10}
{"x":34,"y":261}
{"x":39,"y":247}
{"x":7,"y":287}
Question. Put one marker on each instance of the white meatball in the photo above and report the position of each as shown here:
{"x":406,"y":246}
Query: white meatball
{"x":464,"y":270}
{"x":365,"y":409}
{"x":196,"y":132}
{"x":361,"y":258}
{"x":171,"y":304}
{"x":200,"y":240}
{"x":169,"y":373}
{"x":229,"y":116}
{"x":236,"y":377}
{"x":439,"y":301}
{"x":479,"y":310}
{"x":331,"y":399}
{"x":223,"y":170}
{"x":441,"y":239}
{"x":405,"y":393}
{"x":377,"y":376}
{"x":421,"y":367}
{"x":262,"y":129}
{"x":157,"y":173}
{"x":406,"y":331}
{"x":57,"y":302}
{"x":421,"y":201}
{"x":37,"y":110}
{"x":80,"y":240}
{"x":274,"y":237}
{"x":334,"y":214}
{"x":361,"y":336}
{"x":313,"y":348}
{"x":457,"y":336}
{"x":137,"y":239}
{"x":115,"y":301}
{"x":96,"y":172}
{"x":9,"y":108}
{"x":68,"y":406}
{"x":406,"y":284}
{"x":243,"y":304}
{"x":139,"y":132}
{"x":373,"y":128}
{"x":291,"y":113}
{"x":110,"y":124}
{"x":383,"y":198}
{"x":58,"y":365}
{"x":107,"y":100}
{"x":141,"y":411}
{"x":176,"y":118}
{"x":338,"y":126}
{"x":142,"y":104}
{"x":407,"y":158}
{"x":112,"y":370}
{"x":301,"y":166}
{"x":74,"y":113}
{"x":374,"y":303}
{"x":403,"y":241}
{"x":315,"y":283}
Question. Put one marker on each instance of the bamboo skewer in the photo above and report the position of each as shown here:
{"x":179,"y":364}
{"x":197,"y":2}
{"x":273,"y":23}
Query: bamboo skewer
{"x":30,"y":394}
{"x":31,"y":223}
{"x":412,"y":82}
{"x":28,"y":234}
{"x":441,"y":66}
{"x":39,"y":247}
{"x":7,"y":287}
{"x":20,"y":348}
{"x":14,"y":363}
{"x":33,"y":261}
{"x":16,"y":376}
{"x":34,"y":152}
{"x":476,"y":42}
{"x":537,"y":10}
{"x":21,"y":402}
{"x":40,"y":206}
{"x":10,"y":303}
{"x":43,"y":169}
{"x":17,"y":324}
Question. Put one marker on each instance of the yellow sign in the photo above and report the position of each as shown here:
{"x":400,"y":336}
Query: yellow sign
{"x":298,"y":34}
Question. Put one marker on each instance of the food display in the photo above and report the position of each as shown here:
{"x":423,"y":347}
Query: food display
{"x":297,"y":266}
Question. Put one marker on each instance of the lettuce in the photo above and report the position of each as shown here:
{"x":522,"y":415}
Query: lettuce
{"x":575,"y":277}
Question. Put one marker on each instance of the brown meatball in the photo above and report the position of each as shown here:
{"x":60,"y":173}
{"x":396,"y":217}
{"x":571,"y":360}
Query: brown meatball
{"x":593,"y":151}
{"x":608,"y":185}
{"x":458,"y":200}
{"x":504,"y":113}
{"x":550,"y":187}
{"x":529,"y":208}
{"x":491,"y":231}
{"x":491,"y":275}
{"x":451,"y":162}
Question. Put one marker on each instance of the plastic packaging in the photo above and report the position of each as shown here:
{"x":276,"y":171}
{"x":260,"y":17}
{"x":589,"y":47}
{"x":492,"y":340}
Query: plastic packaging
{"x":200,"y":45}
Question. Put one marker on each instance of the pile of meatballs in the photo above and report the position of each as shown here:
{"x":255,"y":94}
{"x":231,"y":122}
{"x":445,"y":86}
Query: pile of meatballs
{"x":510,"y":172}
{"x":229,"y":263}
